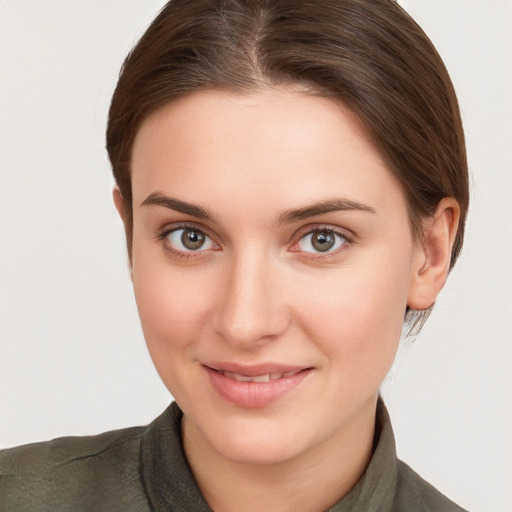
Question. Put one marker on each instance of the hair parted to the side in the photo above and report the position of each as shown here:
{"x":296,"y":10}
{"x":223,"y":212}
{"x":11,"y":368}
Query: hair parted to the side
{"x":368,"y":54}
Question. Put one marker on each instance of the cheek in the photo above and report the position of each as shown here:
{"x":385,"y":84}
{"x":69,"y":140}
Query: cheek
{"x":358,"y":311}
{"x":173,"y":311}
{"x":172,"y":308}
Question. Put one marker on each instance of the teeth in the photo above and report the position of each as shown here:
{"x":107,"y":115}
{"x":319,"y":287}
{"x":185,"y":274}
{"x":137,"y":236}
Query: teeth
{"x":258,"y":378}
{"x":261,"y":378}
{"x":237,"y":376}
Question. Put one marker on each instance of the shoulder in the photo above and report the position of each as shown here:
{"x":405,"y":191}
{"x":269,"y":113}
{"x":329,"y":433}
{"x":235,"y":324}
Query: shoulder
{"x":415,"y":493}
{"x":74,"y":473}
{"x":49,"y":455}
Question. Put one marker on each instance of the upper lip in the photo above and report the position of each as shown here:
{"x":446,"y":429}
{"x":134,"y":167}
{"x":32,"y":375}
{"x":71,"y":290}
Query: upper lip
{"x":253,"y":370}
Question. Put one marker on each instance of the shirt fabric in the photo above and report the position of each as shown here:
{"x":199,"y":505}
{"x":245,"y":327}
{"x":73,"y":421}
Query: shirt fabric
{"x":144,"y":469}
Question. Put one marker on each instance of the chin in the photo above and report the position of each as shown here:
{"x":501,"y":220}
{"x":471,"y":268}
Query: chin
{"x":260,"y":450}
{"x":260,"y":439}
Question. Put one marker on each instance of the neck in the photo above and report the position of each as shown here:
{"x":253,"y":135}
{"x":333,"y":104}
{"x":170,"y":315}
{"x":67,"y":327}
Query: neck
{"x":312,"y":481}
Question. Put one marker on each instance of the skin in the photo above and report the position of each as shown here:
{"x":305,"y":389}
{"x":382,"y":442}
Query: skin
{"x":258,"y":291}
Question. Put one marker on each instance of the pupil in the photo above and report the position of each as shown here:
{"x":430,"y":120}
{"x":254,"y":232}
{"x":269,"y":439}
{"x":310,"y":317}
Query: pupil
{"x":192,"y":239}
{"x":323,"y":241}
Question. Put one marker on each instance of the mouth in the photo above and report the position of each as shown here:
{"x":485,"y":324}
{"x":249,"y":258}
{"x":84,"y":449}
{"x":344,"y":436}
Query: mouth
{"x":254,"y":386}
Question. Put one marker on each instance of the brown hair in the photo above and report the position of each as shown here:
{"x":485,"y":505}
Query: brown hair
{"x":369,"y":54}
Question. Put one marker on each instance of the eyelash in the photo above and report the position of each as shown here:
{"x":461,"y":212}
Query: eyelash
{"x":185,"y":255}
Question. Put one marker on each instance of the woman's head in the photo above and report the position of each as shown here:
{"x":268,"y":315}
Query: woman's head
{"x":291,"y":179}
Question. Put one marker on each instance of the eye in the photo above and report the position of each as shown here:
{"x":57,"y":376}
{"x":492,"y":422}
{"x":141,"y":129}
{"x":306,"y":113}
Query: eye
{"x":322,"y":241}
{"x":188,"y":240}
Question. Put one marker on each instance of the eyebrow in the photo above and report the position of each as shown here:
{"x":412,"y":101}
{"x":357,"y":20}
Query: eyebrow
{"x":321,"y":208}
{"x":157,"y":199}
{"x":285,"y":217}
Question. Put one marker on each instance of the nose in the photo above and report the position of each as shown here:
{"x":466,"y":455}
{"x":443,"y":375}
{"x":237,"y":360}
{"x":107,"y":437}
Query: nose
{"x":250,"y":310}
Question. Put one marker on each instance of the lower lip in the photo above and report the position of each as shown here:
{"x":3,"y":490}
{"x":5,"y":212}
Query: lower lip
{"x":253,"y":395}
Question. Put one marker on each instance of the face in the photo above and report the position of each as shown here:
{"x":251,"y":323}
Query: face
{"x":272,"y":263}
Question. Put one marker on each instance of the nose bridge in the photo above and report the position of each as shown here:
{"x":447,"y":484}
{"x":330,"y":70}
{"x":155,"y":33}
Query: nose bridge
{"x":250,"y":309}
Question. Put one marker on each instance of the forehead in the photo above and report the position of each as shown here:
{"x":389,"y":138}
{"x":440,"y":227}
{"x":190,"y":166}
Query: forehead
{"x":274,"y":145}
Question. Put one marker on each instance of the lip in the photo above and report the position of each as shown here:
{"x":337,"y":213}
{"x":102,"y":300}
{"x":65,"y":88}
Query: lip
{"x":249,"y":394}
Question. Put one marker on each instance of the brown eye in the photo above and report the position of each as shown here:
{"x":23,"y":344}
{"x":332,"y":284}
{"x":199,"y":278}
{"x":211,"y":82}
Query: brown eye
{"x":322,"y":240}
{"x":189,"y":240}
{"x":192,"y":239}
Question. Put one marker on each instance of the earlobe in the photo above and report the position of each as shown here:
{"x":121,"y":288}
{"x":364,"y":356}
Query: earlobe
{"x":433,"y":255}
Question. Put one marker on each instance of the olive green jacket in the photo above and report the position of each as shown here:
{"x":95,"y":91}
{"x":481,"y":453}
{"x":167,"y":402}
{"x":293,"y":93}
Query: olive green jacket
{"x":144,"y":469}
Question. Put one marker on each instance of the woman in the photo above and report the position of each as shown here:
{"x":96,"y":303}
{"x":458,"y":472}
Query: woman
{"x":293,"y":184}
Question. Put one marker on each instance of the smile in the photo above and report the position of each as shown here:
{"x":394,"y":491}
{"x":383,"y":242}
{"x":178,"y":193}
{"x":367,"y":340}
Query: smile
{"x":254,"y":386}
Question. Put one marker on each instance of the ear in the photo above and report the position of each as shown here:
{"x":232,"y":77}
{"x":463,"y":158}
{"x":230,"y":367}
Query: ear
{"x":121,"y":209}
{"x":433,"y":255}
{"x":119,"y":203}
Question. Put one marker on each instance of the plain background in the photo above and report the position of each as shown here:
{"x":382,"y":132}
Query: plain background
{"x":72,"y":356}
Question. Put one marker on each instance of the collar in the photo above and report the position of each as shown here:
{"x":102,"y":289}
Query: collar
{"x":375,"y":490}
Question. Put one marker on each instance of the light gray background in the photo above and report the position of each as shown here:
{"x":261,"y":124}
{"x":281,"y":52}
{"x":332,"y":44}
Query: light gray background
{"x":72,"y":356}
